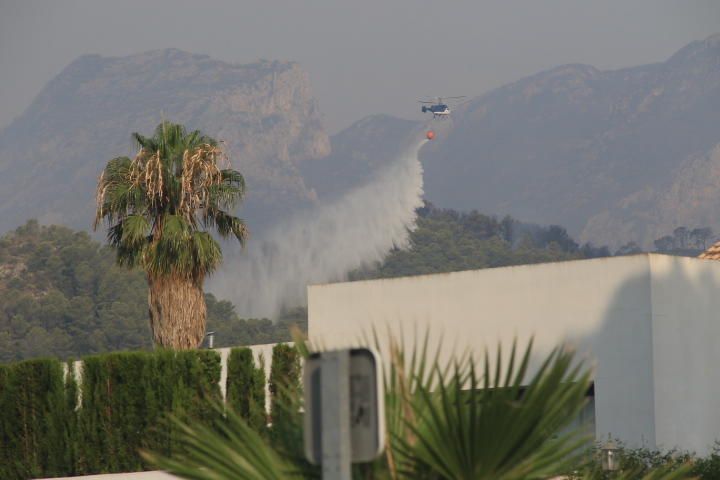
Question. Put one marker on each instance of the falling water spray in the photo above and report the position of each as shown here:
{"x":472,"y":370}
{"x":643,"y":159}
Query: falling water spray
{"x":325,"y":243}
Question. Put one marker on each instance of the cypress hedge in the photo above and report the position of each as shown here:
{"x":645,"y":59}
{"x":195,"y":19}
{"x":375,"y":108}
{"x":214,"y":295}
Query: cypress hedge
{"x":51,"y":426}
{"x":126,"y":398}
{"x":35,"y":420}
{"x":284,"y":376}
{"x":284,"y":380}
{"x":246,"y":387}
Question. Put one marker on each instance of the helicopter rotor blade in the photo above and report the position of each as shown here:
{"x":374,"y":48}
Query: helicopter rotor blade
{"x":439,"y":100}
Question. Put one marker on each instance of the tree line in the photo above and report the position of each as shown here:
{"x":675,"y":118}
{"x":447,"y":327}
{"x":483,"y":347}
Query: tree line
{"x":62,"y":295}
{"x":446,"y":240}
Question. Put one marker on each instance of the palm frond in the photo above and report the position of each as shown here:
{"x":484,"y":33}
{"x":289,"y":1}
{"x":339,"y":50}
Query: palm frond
{"x":407,"y":373}
{"x":135,"y":231}
{"x":497,"y":426}
{"x":226,"y":225}
{"x":233,"y":177}
{"x":125,"y":256}
{"x":224,"y":196}
{"x":182,"y":252}
{"x":230,"y":450}
{"x":113,"y":190}
{"x":142,"y":142}
{"x":207,"y":253}
{"x":169,"y":253}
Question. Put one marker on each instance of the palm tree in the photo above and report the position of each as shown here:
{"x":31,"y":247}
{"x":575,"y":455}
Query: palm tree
{"x":158,"y":207}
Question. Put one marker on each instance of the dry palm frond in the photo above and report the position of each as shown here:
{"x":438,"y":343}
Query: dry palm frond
{"x":113,"y":191}
{"x":200,"y":171}
{"x":146,"y":173}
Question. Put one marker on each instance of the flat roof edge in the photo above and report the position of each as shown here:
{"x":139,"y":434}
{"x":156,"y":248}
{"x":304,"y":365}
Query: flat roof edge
{"x":646,"y":255}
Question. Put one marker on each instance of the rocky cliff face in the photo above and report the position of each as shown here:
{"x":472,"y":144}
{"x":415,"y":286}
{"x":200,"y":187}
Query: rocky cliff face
{"x":50,"y":157}
{"x":691,"y":198}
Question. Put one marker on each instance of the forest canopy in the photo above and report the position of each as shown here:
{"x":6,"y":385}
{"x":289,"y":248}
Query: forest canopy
{"x":62,"y":295}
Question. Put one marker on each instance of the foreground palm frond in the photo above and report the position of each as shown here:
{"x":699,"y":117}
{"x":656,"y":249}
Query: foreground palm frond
{"x":501,"y":424}
{"x":231,"y":450}
{"x":407,"y":373}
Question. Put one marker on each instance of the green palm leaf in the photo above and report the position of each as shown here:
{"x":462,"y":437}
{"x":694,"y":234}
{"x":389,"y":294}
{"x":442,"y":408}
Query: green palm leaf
{"x":497,"y":426}
{"x":230,"y":450}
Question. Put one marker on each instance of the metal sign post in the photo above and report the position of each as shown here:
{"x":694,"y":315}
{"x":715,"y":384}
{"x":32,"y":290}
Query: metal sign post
{"x":344,"y":415}
{"x":335,"y":401}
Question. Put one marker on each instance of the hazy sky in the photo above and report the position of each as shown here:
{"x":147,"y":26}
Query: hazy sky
{"x":365,"y":56}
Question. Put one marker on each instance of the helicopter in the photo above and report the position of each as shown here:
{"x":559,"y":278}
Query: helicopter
{"x":438,"y":107}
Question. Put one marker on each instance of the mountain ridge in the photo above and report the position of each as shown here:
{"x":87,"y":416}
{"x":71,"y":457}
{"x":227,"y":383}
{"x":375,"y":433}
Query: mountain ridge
{"x":571,"y":142}
{"x":608,"y":153}
{"x":264,"y":112}
{"x":578,"y":146}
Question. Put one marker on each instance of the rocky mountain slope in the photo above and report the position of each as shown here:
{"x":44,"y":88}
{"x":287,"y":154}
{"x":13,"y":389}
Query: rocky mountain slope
{"x":50,"y":156}
{"x":613,"y":155}
{"x":617,"y":156}
{"x":691,"y":197}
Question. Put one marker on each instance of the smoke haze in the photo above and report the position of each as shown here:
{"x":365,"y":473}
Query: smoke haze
{"x":325,"y":243}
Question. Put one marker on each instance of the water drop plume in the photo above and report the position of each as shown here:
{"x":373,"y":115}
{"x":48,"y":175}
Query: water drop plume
{"x":324,"y":243}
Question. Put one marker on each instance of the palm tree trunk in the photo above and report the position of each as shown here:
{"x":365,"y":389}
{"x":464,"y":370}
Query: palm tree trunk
{"x":177,"y":312}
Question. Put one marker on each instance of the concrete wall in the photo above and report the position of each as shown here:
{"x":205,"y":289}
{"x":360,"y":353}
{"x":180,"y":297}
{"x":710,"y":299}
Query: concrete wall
{"x":686,"y":333}
{"x":642,"y":320}
{"x":262,"y":354}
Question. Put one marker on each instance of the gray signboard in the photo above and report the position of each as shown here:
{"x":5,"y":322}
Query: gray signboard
{"x":344,"y":414}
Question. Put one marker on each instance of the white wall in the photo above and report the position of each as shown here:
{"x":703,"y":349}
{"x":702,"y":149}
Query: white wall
{"x":262,"y":354}
{"x":686,"y":332}
{"x":603,"y":306}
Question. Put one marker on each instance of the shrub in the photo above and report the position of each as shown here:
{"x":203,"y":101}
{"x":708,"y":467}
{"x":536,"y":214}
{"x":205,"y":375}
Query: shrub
{"x":246,"y":387}
{"x":708,"y":468}
{"x":641,"y":461}
{"x":284,"y":376}
{"x":284,"y":392}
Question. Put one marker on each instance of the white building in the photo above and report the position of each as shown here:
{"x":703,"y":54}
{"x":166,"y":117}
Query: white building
{"x":649,"y":323}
